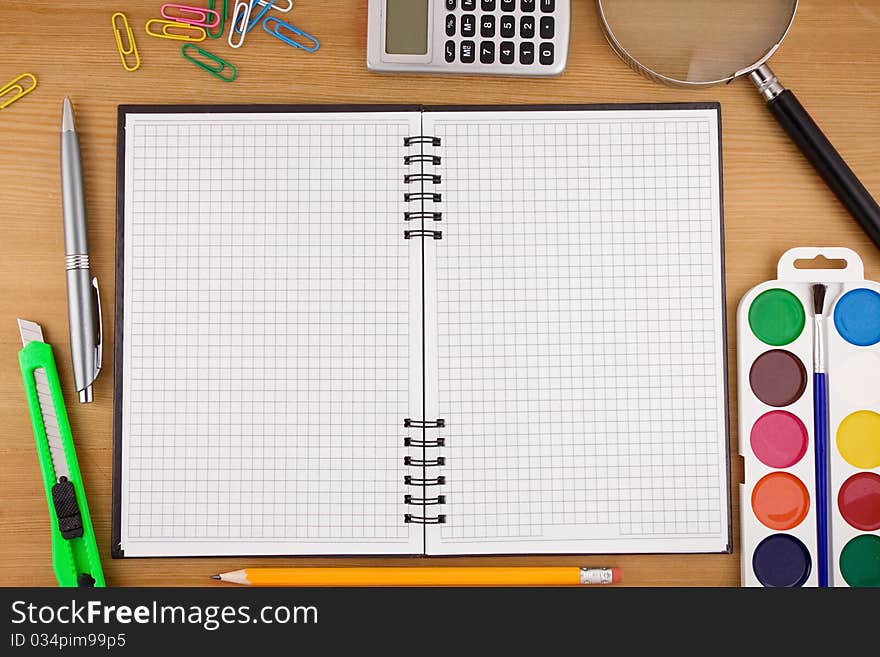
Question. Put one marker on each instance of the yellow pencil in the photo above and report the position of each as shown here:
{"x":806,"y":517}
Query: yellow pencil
{"x":424,"y":576}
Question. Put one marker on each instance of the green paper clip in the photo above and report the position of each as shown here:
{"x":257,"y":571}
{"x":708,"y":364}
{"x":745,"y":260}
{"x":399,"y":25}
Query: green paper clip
{"x":75,"y":557}
{"x":217,"y":72}
{"x":224,"y":14}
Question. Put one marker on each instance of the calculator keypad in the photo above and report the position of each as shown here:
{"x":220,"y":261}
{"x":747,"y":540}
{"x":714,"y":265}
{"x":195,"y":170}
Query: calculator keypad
{"x":509,"y":32}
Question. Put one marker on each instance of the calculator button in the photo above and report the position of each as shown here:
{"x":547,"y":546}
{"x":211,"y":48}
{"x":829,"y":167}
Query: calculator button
{"x":487,"y":52}
{"x":526,"y":53}
{"x":507,"y":52}
{"x":450,"y":51}
{"x":548,"y":27}
{"x":450,"y":5}
{"x":488,"y":5}
{"x":468,"y":52}
{"x":468,"y":25}
{"x":527,"y":27}
{"x":508,"y":27}
{"x":547,"y":6}
{"x":546,"y":53}
{"x":487,"y":26}
{"x":450,"y":25}
{"x":527,"y":5}
{"x":508,"y":5}
{"x":468,"y":5}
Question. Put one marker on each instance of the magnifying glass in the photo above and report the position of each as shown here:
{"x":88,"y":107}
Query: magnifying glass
{"x":698,"y":43}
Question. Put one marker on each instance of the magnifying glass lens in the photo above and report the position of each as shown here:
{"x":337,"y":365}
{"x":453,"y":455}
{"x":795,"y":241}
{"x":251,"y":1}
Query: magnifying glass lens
{"x":697,"y":41}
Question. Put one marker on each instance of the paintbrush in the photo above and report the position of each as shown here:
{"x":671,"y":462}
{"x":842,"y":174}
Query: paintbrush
{"x":820,"y":426}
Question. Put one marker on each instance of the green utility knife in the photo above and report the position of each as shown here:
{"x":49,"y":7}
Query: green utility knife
{"x":74,"y":550}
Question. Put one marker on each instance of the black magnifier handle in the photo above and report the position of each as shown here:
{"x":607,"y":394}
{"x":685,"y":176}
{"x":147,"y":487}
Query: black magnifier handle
{"x":813,"y":143}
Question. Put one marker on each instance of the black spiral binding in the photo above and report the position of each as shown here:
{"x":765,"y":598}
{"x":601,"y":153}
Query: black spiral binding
{"x":421,"y":139}
{"x":421,"y":158}
{"x":426,"y":476}
{"x":424,"y":463}
{"x":431,"y":197}
{"x":418,"y":442}
{"x":422,"y":216}
{"x":439,"y":480}
{"x":424,"y":424}
{"x":423,"y":178}
{"x":432,"y":178}
{"x":426,"y":501}
{"x":426,"y":467}
{"x":434,"y":234}
{"x":424,"y":520}
{"x":424,"y":480}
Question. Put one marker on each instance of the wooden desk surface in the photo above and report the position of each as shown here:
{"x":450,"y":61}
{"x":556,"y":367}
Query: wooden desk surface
{"x":772,"y":201}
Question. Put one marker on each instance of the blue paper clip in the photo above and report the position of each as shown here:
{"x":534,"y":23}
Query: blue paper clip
{"x":279,"y":24}
{"x":266,"y":6}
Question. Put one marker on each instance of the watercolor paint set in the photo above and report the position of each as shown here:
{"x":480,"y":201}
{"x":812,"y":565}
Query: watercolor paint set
{"x":809,"y":423}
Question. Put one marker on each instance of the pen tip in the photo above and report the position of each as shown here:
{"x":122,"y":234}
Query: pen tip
{"x":67,"y":124}
{"x":215,"y":576}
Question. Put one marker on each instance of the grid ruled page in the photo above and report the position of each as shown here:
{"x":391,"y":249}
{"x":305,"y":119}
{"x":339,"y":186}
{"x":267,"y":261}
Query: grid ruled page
{"x":268,"y":334}
{"x":580,"y":334}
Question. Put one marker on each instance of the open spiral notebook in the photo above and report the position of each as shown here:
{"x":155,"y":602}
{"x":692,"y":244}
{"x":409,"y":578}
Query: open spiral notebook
{"x":419,"y":330}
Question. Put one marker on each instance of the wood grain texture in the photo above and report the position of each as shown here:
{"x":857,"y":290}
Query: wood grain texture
{"x":772,"y":201}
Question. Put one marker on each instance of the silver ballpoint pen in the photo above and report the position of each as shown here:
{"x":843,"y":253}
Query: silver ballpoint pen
{"x":83,"y":298}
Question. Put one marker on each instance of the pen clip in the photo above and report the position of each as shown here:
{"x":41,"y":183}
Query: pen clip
{"x":99,"y":349}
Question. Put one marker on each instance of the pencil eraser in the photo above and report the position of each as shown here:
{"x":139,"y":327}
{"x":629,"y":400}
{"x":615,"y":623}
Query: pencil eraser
{"x":616,"y":575}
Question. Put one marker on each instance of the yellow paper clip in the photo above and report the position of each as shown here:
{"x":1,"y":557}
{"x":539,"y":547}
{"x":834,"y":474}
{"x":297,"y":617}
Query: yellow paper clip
{"x":129,"y":35}
{"x":184,"y":31}
{"x":17,"y":90}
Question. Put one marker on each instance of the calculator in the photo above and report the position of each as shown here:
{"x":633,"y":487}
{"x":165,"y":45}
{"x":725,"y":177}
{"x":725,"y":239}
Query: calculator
{"x":493,"y":37}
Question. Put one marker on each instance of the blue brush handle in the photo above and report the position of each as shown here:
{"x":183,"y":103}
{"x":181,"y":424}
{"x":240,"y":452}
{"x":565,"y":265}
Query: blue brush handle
{"x":820,"y":405}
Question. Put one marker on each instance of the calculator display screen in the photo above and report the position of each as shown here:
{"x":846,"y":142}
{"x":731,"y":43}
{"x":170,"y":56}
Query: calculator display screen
{"x":406,"y":27}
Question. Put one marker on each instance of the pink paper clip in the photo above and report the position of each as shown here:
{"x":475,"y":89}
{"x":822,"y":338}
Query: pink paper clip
{"x":192,"y":15}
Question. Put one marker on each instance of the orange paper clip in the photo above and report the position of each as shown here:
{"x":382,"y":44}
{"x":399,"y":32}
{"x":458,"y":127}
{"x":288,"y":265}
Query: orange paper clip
{"x":125,"y":50}
{"x":15,"y":89}
{"x":177,"y":31}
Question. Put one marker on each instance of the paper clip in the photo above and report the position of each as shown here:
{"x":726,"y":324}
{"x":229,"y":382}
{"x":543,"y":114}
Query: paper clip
{"x":275,"y":6}
{"x":242,"y":11}
{"x":251,"y":23}
{"x":129,"y":35}
{"x":196,"y":33}
{"x":224,"y":14}
{"x":19,"y":90}
{"x":191,"y":15}
{"x":216,"y":71}
{"x":276,"y":32}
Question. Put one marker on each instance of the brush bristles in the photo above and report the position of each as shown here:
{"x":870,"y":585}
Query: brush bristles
{"x":819,"y":299}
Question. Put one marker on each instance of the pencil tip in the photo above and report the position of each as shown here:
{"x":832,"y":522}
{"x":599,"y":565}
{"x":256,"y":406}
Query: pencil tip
{"x":215,"y":576}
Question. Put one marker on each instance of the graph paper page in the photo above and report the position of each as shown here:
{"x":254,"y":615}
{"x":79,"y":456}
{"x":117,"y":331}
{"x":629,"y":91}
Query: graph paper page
{"x":270,"y":348}
{"x":580,"y":335}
